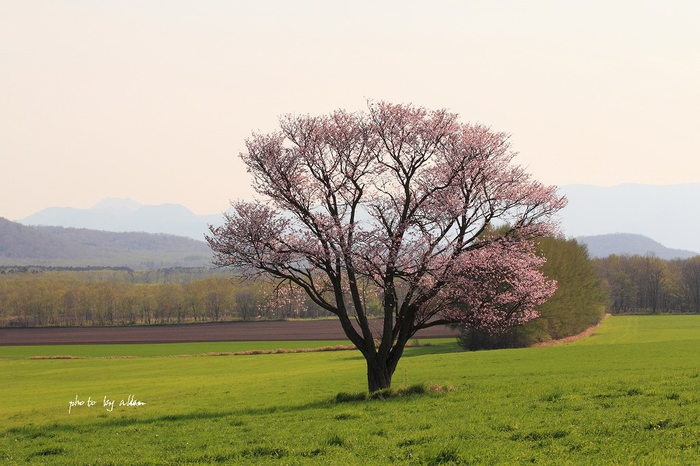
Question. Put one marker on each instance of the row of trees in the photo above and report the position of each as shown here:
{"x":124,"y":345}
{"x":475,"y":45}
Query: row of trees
{"x":621,"y":284}
{"x":652,"y":285}
{"x":587,"y":288}
{"x":120,"y":298}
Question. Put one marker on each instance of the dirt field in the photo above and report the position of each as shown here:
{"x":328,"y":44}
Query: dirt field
{"x":223,"y":331}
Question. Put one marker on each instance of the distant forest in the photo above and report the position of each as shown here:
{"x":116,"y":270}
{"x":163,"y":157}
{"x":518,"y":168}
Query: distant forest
{"x":55,"y":296}
{"x":89,"y":296}
{"x":646,"y":284}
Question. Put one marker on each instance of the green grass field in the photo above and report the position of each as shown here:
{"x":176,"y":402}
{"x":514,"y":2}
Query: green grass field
{"x":630,"y":394}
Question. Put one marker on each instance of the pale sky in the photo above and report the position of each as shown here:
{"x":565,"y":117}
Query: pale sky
{"x":152,"y":100}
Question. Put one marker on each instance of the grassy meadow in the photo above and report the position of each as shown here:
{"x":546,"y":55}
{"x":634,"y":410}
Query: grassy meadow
{"x":630,"y":394}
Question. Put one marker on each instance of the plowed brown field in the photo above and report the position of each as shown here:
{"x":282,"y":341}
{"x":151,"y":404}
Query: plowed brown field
{"x":221,"y":331}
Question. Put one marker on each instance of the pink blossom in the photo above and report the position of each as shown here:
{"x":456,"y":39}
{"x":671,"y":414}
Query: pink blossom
{"x":400,"y":201}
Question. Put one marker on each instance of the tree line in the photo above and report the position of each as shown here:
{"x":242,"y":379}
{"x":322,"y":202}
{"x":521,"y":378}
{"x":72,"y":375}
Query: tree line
{"x":647,"y":284}
{"x":40,"y":297}
{"x":587,"y":288}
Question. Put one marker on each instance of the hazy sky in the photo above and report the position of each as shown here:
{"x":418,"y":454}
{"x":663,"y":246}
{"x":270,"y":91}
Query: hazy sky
{"x":152,"y":100}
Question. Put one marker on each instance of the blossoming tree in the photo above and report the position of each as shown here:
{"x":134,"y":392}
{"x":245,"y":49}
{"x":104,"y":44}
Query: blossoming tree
{"x":396,"y":201}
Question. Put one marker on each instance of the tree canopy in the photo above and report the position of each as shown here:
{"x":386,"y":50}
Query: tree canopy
{"x":394,"y":201}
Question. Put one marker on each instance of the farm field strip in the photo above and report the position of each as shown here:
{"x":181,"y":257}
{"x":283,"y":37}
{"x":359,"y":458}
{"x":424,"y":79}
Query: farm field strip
{"x":177,"y":349}
{"x":269,"y":330}
{"x":156,"y":349}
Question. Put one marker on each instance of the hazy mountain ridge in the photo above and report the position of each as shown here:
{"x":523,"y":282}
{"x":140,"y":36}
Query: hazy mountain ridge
{"x":631,"y":244}
{"x":670,"y":214}
{"x":50,"y":245}
{"x":126,"y":215}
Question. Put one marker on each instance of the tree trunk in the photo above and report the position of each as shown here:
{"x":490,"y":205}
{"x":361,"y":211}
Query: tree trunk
{"x":378,"y":376}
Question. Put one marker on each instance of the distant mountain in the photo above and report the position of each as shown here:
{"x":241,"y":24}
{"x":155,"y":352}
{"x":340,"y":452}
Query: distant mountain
{"x":669,"y":214}
{"x":57,"y":246}
{"x":627,"y":243}
{"x":118,"y":204}
{"x":122,"y":215}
